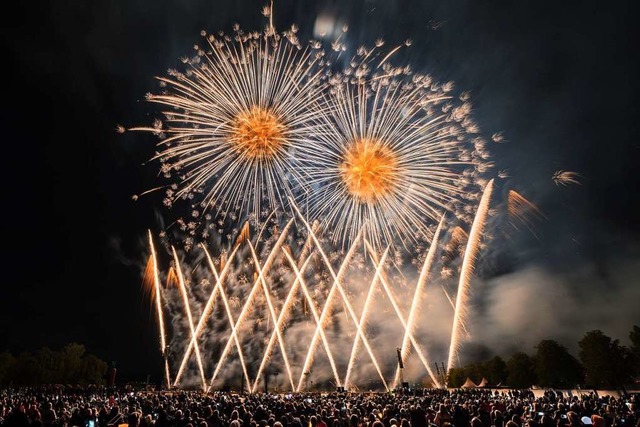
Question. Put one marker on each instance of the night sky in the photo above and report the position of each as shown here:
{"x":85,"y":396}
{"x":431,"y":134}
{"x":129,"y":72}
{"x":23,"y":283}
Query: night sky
{"x":558,"y":78}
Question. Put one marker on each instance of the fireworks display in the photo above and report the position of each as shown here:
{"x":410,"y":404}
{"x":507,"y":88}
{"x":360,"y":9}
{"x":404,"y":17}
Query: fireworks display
{"x":325,"y":182}
{"x":391,"y":155}
{"x":234,"y":120}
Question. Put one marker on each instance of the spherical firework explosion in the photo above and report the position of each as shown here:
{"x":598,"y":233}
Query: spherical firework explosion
{"x":390,"y":157}
{"x":235,"y":119}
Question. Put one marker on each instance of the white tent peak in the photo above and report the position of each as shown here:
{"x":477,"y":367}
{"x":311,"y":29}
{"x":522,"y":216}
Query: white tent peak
{"x":469,"y":384}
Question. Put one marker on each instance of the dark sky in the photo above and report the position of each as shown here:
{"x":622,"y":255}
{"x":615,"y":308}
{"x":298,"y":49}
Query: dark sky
{"x":558,"y":78}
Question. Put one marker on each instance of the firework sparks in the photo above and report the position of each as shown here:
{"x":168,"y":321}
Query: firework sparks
{"x":337,"y":285}
{"x":565,"y":178}
{"x":522,"y":210}
{"x":417,"y":299}
{"x":470,"y":255}
{"x":249,"y":301}
{"x":227,"y":308}
{"x":207,"y":310}
{"x":157,"y":295}
{"x":396,"y":308}
{"x":234,"y":120}
{"x":258,"y":307}
{"x":390,"y":154}
{"x":185,"y":299}
{"x":377,"y":156}
{"x":316,"y":317}
{"x":363,"y":317}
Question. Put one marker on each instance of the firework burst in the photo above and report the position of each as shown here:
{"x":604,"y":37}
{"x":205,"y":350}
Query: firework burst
{"x":562,"y":177}
{"x":234,"y":120}
{"x":390,"y":156}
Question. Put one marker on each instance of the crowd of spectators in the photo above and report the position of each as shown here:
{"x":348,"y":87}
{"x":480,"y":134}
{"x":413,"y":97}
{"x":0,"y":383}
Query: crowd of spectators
{"x":99,"y":407}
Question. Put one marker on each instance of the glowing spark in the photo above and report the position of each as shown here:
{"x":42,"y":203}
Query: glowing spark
{"x":566,"y":177}
{"x":407,"y":43}
{"x":497,"y":137}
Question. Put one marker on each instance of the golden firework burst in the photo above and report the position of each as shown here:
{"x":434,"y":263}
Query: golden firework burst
{"x":258,"y":134}
{"x":369,"y":170}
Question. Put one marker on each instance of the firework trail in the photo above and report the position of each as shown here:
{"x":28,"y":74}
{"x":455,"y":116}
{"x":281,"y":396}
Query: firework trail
{"x":396,"y":308}
{"x":390,"y":154}
{"x":453,"y":306}
{"x":337,"y":278}
{"x":258,"y":123}
{"x":470,"y":254}
{"x":285,"y":312}
{"x":157,"y":296}
{"x":207,"y":310}
{"x":272,"y":312}
{"x":227,"y":308}
{"x":234,"y":119}
{"x":455,"y":246}
{"x":417,"y":299}
{"x":316,"y":316}
{"x":566,"y":177}
{"x":287,"y":305}
{"x":247,"y":305}
{"x":522,"y":210}
{"x":363,"y":317}
{"x":187,"y":306}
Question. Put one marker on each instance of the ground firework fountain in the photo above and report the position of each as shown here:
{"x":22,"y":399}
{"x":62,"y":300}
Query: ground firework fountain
{"x":290,"y":306}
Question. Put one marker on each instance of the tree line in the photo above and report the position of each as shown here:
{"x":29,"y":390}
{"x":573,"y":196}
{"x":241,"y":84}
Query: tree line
{"x":69,"y":365}
{"x":602,"y":363}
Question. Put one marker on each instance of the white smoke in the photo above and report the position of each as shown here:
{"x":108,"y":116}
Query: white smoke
{"x":534,"y":303}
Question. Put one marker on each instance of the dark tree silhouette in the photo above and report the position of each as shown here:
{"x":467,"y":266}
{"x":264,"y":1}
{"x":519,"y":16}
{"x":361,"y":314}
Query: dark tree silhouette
{"x":521,"y":371}
{"x":495,"y":370}
{"x":456,"y":377}
{"x":634,"y":336}
{"x":606,"y":363}
{"x":555,"y":366}
{"x":70,"y":365}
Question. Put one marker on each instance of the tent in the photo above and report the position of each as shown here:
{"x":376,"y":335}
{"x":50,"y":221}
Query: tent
{"x":483,"y":383}
{"x":469,"y":384}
